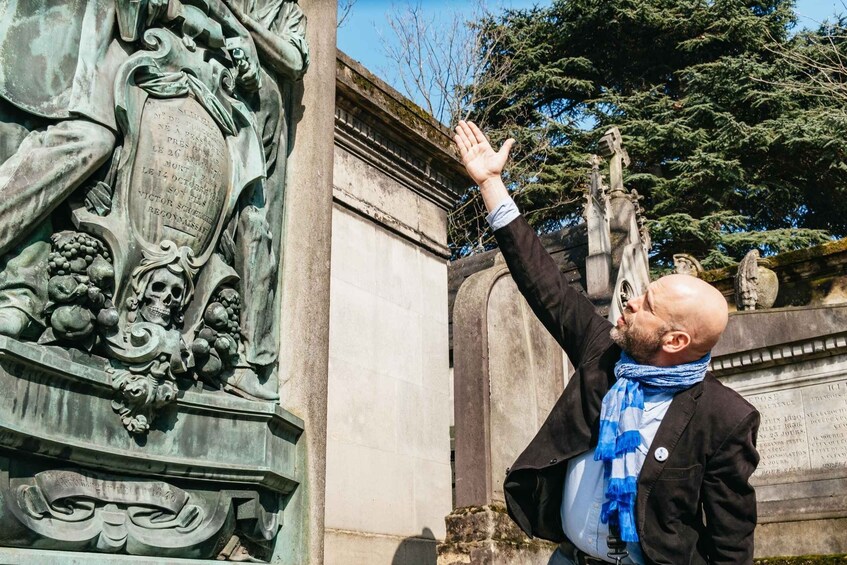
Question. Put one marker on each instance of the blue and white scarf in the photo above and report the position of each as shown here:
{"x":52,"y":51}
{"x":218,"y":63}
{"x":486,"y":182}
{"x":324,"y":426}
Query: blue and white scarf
{"x":620,"y":424}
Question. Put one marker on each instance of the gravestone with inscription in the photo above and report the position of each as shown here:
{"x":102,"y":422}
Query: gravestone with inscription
{"x":142,"y":176}
{"x":791,"y":364}
{"x":181,"y":184}
{"x":803,"y":429}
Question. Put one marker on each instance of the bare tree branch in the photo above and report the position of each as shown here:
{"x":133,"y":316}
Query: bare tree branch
{"x":456,"y":65}
{"x":437,"y":60}
{"x":344,"y":9}
{"x":820,"y":61}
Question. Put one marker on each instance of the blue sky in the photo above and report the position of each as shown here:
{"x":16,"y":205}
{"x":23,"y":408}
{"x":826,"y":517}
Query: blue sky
{"x":359,"y":36}
{"x":812,"y":12}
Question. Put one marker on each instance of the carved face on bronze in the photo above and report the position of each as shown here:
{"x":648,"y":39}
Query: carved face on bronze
{"x":162,"y":297}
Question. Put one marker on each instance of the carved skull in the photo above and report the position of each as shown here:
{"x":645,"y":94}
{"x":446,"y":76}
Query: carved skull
{"x":162,"y":297}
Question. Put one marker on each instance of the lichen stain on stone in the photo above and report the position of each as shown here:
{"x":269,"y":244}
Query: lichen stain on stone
{"x":837,"y":293}
{"x":810,"y":253}
{"x":413,"y":115}
{"x":25,"y":400}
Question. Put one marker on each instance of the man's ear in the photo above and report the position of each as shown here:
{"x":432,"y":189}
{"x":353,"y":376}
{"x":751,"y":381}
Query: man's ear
{"x":675,"y":341}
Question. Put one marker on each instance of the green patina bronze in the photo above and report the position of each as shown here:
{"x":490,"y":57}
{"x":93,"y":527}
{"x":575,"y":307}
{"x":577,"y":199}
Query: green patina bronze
{"x":143,"y":149}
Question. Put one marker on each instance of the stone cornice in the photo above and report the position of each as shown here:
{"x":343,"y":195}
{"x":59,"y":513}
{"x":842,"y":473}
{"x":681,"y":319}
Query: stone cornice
{"x":386,"y":130}
{"x":366,"y":210}
{"x":94,"y":437}
{"x":799,"y":269}
{"x":781,"y":354}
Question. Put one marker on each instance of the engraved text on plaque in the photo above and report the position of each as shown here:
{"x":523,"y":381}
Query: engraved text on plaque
{"x":802,"y":429}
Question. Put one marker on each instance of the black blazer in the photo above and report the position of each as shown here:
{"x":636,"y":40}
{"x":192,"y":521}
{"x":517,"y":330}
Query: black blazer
{"x":695,"y":507}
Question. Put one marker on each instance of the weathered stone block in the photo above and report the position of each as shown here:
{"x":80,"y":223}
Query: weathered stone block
{"x":485,"y":535}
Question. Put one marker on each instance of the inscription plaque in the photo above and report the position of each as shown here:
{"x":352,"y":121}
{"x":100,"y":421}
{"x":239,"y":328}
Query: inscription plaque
{"x":181,"y":174}
{"x":802,"y":429}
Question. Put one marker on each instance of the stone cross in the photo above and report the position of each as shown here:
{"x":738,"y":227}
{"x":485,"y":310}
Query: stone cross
{"x":611,"y":146}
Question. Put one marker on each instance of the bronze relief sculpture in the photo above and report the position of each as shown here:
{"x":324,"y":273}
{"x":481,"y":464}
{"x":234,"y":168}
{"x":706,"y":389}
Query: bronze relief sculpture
{"x":155,"y":136}
{"x":143,"y":149}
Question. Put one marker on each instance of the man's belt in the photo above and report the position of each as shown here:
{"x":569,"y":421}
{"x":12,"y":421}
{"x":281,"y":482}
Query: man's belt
{"x":579,"y":557}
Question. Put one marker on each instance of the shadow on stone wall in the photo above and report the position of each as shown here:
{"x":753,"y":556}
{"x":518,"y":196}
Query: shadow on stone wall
{"x":417,"y":550}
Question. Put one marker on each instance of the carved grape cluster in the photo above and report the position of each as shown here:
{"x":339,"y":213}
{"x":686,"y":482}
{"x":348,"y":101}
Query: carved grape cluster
{"x":74,"y":252}
{"x":216,"y":345}
{"x":80,"y":287}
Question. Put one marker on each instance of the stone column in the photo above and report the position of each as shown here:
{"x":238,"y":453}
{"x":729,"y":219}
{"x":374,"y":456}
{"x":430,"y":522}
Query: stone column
{"x":304,"y":334}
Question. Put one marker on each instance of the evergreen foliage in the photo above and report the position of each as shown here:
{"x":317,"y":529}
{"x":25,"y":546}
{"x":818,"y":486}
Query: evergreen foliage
{"x":735,"y":128}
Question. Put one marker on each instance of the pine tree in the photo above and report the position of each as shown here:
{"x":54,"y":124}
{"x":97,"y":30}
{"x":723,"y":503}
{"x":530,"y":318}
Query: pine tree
{"x":728,"y":148}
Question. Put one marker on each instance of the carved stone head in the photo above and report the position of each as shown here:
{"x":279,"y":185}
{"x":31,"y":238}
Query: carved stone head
{"x":163,"y":297}
{"x":685,"y":264}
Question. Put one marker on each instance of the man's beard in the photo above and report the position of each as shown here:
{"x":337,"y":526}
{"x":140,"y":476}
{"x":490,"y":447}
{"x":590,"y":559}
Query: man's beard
{"x":640,"y":346}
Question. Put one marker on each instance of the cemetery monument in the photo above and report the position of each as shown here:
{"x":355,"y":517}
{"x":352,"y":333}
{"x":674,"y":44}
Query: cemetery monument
{"x":142,"y":173}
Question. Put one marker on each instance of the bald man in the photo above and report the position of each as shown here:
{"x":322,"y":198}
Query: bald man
{"x":683,"y":318}
{"x":646,"y":457}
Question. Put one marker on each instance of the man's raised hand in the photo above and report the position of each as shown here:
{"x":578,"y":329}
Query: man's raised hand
{"x":480,"y":160}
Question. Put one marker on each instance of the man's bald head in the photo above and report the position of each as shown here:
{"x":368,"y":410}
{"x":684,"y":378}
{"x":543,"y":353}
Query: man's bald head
{"x":695,"y":306}
{"x":678,"y":320}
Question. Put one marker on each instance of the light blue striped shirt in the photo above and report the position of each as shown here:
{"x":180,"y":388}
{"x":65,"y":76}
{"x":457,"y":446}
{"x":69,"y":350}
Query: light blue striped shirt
{"x":503,"y":214}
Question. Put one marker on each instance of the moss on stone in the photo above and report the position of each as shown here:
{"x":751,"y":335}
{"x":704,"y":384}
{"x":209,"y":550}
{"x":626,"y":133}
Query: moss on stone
{"x":410,"y":113}
{"x":807,"y":254}
{"x":465,"y":510}
{"x":782,"y":260}
{"x":719,"y":274}
{"x":472,"y":525}
{"x":498,"y":507}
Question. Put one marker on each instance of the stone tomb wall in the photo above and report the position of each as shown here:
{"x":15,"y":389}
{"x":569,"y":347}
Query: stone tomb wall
{"x":803,"y":429}
{"x":388,"y":447}
{"x":800,"y":389}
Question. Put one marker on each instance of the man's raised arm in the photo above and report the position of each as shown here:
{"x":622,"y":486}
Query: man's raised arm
{"x":567,"y":315}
